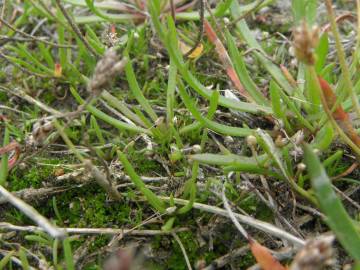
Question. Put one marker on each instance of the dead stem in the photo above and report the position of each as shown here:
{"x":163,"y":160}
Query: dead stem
{"x":75,"y":28}
{"x":183,"y":250}
{"x":34,"y":38}
{"x":91,"y":231}
{"x":34,"y":215}
{"x":261,"y":225}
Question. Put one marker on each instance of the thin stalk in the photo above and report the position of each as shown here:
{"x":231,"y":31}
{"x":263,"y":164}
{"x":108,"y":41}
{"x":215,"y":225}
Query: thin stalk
{"x":183,"y":250}
{"x":35,"y":38}
{"x":342,"y":59}
{"x":328,"y":112}
{"x":358,"y":22}
{"x":201,"y":28}
{"x":250,"y":221}
{"x":31,"y":213}
{"x":99,"y":177}
{"x":170,"y":94}
{"x":90,"y":231}
{"x":68,"y":142}
{"x":75,"y":28}
{"x":4,"y":161}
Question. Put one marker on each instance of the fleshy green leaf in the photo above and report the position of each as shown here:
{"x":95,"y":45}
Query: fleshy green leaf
{"x":336,"y":216}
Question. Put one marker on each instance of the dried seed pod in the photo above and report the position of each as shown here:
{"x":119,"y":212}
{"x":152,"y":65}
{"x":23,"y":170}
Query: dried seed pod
{"x":40,"y":132}
{"x":317,"y":254}
{"x":105,"y":70}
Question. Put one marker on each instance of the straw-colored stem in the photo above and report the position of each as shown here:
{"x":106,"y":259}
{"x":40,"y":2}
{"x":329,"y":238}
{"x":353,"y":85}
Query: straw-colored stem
{"x":342,"y":59}
{"x":328,"y":112}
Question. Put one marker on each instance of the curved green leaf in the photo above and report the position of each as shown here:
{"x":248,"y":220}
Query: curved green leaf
{"x":150,"y":196}
{"x":171,"y":42}
{"x":110,"y":120}
{"x":336,"y":216}
{"x":223,"y":129}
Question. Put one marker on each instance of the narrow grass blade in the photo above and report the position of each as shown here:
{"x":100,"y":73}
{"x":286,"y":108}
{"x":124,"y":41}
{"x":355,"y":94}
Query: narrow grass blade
{"x":55,"y":247}
{"x":69,"y":260}
{"x":26,"y":54}
{"x":312,"y":93}
{"x":154,"y":201}
{"x":236,"y":163}
{"x":40,"y":240}
{"x":171,"y":42}
{"x":294,"y":109}
{"x":5,"y":260}
{"x":110,"y":120}
{"x":121,"y":106}
{"x":190,"y":188}
{"x":266,"y":142}
{"x":321,"y":52}
{"x":241,"y":70}
{"x":277,"y":106}
{"x":268,"y":145}
{"x":4,"y":160}
{"x":336,"y":215}
{"x":226,"y":60}
{"x":95,"y":126}
{"x":304,"y":10}
{"x":258,"y":51}
{"x":223,"y":129}
{"x":45,"y":53}
{"x":62,"y":52}
{"x":324,"y":137}
{"x":212,"y":109}
{"x":222,"y":8}
{"x":227,"y":160}
{"x":170,"y":94}
{"x":24,"y":261}
{"x":115,"y":18}
{"x":91,"y":6}
{"x":134,"y":85}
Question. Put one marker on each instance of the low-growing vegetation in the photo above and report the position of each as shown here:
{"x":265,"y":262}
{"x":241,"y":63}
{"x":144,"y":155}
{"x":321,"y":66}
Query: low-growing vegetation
{"x":179,"y":134}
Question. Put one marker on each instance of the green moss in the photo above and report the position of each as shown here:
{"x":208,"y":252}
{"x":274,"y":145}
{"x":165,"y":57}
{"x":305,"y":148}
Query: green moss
{"x":3,"y":97}
{"x":246,"y":261}
{"x":143,"y":164}
{"x":88,"y":207}
{"x":31,"y":178}
{"x":176,"y":261}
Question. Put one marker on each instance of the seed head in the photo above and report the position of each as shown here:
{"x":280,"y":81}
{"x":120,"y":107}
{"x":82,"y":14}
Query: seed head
{"x":305,"y":42}
{"x":105,"y":70}
{"x":317,"y":253}
{"x":40,"y":132}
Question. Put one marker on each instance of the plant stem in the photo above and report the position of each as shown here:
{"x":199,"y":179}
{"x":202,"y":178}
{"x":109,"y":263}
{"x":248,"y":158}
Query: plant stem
{"x":76,"y":28}
{"x":68,"y":142}
{"x":250,"y":221}
{"x":34,"y":215}
{"x":342,"y":59}
{"x":328,"y":112}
